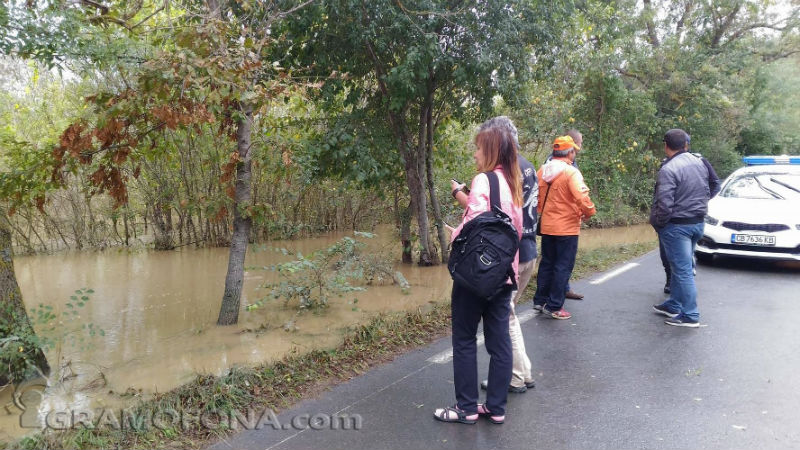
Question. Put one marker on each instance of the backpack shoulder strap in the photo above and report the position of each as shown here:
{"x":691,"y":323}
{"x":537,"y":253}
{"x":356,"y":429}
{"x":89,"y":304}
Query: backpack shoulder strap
{"x":494,"y":191}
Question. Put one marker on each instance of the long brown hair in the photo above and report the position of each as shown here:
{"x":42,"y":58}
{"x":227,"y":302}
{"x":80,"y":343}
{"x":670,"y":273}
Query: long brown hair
{"x":499,"y":147}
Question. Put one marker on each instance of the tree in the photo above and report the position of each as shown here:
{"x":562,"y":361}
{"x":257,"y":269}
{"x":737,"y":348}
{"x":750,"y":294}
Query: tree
{"x":23,"y":31}
{"x":201,"y":69}
{"x":21,"y":355}
{"x":416,"y":64}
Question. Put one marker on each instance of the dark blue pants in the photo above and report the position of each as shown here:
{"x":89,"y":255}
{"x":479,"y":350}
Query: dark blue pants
{"x":664,"y":261}
{"x":555,"y":268}
{"x":467,"y":311}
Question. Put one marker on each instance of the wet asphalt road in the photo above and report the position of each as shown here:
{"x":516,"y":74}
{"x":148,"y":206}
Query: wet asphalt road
{"x":613,"y":377}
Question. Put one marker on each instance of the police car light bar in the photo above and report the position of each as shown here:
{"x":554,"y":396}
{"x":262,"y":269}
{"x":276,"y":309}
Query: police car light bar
{"x":769,"y":160}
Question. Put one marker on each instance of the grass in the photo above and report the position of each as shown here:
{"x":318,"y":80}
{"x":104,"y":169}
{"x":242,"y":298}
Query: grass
{"x":281,"y":384}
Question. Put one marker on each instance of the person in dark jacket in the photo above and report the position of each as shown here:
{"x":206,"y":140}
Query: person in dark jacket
{"x":679,"y":206}
{"x":713,"y":186}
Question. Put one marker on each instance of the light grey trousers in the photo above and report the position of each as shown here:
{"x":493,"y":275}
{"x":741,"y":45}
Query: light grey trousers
{"x":521,"y":372}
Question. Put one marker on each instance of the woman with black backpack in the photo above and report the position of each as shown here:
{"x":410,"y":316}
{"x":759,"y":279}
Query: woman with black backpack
{"x":496,"y":160}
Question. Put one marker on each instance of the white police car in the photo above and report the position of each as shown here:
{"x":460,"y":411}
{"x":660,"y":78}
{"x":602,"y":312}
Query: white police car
{"x":756,"y":213}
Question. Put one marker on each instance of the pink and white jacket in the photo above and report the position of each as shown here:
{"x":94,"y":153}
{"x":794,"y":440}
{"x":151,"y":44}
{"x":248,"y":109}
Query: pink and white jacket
{"x":478,"y":203}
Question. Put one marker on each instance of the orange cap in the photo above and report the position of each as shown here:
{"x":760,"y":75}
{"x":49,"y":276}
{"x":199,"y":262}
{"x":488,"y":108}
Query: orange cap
{"x":564,"y":143}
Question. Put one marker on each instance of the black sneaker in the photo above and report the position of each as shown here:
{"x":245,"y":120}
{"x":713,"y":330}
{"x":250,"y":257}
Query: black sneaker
{"x":664,"y":311}
{"x":666,"y":288}
{"x":512,"y":389}
{"x":682,"y":321}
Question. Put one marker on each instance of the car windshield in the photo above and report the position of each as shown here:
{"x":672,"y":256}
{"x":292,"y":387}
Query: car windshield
{"x":774,"y":186}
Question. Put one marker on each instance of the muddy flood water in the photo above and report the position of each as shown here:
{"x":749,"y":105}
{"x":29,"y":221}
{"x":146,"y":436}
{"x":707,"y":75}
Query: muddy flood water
{"x":157,"y":312}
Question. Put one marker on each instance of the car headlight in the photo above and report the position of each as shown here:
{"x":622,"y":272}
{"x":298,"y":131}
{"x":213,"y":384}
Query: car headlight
{"x":710,"y":220}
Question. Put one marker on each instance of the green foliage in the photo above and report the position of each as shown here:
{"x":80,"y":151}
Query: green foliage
{"x":625,"y":74}
{"x":350,"y":98}
{"x":393,"y":56}
{"x":18,"y":348}
{"x":395,"y":71}
{"x":309,"y":282}
{"x":774,"y":126}
{"x":52,"y":330}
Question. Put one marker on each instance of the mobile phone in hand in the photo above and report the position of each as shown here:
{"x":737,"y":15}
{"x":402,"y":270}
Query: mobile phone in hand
{"x":466,"y":189}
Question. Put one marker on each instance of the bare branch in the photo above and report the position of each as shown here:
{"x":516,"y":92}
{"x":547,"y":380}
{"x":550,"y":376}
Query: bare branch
{"x":292,"y":10}
{"x":628,"y":74}
{"x":161,"y":8}
{"x":103,"y":8}
{"x":721,"y":28}
{"x":786,"y":24}
{"x":772,"y":57}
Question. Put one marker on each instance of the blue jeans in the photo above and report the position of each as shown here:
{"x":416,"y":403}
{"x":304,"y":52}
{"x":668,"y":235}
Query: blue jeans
{"x":679,"y":242}
{"x":467,"y":310}
{"x":555,"y":268}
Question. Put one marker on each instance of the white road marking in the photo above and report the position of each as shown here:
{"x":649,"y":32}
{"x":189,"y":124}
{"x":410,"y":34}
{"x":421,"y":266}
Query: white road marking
{"x":447,"y":355}
{"x":614,"y":273}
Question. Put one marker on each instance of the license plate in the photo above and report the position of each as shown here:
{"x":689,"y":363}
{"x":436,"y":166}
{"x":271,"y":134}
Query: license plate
{"x":752,"y":239}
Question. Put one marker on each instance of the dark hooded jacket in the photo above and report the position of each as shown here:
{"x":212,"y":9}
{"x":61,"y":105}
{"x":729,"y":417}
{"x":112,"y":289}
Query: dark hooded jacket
{"x":682,"y":191}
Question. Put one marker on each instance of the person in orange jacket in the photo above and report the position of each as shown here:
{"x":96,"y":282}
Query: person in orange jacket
{"x":563,"y":204}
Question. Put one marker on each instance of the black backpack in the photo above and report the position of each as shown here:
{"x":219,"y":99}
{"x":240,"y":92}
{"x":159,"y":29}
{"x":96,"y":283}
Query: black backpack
{"x":482,"y":255}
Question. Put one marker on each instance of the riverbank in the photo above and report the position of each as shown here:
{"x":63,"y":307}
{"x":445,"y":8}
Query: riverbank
{"x":280,"y":384}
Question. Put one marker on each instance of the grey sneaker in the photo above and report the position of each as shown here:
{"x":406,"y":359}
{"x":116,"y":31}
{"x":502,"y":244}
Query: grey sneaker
{"x":682,"y":321}
{"x":512,"y":389}
{"x":561,"y":314}
{"x":537,"y":309}
{"x":664,"y":311}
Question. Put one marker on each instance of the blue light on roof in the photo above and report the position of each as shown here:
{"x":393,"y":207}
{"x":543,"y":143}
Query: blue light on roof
{"x":770,"y":160}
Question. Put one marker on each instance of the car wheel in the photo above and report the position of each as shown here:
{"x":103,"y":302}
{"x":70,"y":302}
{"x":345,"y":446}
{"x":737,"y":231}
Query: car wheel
{"x":704,"y":258}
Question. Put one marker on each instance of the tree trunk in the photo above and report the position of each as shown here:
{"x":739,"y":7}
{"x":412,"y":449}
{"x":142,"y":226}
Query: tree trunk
{"x":419,"y":206}
{"x":32,"y":229}
{"x":57,"y":230}
{"x":415,"y":178}
{"x":229,"y":312}
{"x":114,"y":220}
{"x":649,"y":16}
{"x":163,"y":236}
{"x":14,"y":319}
{"x":24,"y":239}
{"x":405,"y":234}
{"x":437,"y":210}
{"x":125,"y":222}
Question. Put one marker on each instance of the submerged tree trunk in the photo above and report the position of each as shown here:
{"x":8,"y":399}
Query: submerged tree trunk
{"x":14,"y":321}
{"x":162,"y":229}
{"x":229,"y":312}
{"x":125,"y":222}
